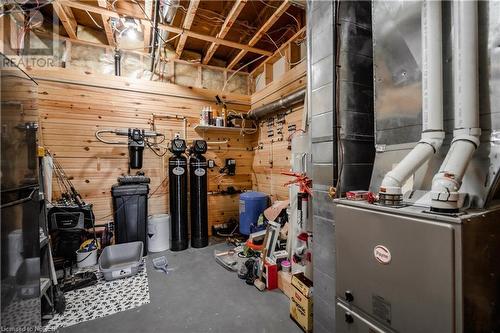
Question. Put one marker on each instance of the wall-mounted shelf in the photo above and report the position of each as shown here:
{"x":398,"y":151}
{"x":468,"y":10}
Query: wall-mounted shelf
{"x":206,"y":128}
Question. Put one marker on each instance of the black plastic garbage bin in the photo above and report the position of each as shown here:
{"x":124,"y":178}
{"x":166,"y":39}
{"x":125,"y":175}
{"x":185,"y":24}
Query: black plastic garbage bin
{"x":130,"y":206}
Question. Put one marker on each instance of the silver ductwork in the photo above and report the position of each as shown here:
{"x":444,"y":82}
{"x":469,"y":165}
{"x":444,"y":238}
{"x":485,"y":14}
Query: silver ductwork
{"x":398,"y":80}
{"x":432,"y":106}
{"x":168,"y":10}
{"x":281,"y":104}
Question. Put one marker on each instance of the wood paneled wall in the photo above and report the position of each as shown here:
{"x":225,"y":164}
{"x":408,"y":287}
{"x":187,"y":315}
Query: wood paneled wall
{"x":73,"y":105}
{"x":272,"y":155}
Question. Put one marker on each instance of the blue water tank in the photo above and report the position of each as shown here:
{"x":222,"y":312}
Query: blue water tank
{"x":252,"y":204}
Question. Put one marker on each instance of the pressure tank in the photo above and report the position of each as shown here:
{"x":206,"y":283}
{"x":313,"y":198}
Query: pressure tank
{"x":252,"y":204}
{"x":177,"y":173}
{"x":198,"y":194}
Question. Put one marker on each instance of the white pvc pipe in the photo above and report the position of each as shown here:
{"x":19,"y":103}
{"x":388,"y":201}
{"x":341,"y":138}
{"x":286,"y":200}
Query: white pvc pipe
{"x":432,"y":101}
{"x":395,"y":178}
{"x":432,"y":66}
{"x":465,"y":64}
{"x":446,"y":183}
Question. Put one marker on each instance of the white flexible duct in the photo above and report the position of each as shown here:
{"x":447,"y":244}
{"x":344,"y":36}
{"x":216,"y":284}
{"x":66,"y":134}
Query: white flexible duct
{"x":447,"y":181}
{"x":432,"y":102}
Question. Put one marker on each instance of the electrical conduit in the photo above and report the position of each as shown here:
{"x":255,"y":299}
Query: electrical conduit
{"x":432,"y":106}
{"x":447,"y":182}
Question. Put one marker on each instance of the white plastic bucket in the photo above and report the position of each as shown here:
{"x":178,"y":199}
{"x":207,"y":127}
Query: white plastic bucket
{"x":86,"y":259}
{"x":158,"y":233}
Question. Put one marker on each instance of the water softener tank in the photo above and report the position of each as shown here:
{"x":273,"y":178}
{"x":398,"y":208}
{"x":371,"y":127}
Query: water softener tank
{"x":198,"y":194}
{"x":177,"y":173}
{"x":252,"y":204}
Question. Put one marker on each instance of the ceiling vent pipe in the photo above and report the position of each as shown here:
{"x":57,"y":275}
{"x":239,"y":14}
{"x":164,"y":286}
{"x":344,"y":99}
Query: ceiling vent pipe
{"x":390,"y":192}
{"x":281,"y":104}
{"x":447,"y":182}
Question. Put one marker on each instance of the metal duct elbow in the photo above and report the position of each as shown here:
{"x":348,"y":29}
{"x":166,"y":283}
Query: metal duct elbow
{"x":281,"y":104}
{"x":447,"y":182}
{"x":168,"y":10}
{"x":390,"y":192}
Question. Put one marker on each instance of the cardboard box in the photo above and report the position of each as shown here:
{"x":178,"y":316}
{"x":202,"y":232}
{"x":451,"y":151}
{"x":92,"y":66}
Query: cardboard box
{"x":285,"y":283}
{"x":301,"y":303}
{"x":303,"y":284}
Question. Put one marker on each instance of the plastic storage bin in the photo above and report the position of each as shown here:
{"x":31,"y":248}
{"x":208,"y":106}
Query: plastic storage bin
{"x":121,"y":260}
{"x":252,"y":204}
{"x":158,"y":233}
{"x":130,"y":205}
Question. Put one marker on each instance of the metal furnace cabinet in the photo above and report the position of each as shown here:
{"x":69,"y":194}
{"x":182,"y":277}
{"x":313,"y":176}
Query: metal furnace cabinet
{"x":407,"y":270}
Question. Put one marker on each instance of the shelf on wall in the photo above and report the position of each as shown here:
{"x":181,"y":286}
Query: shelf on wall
{"x":206,"y":128}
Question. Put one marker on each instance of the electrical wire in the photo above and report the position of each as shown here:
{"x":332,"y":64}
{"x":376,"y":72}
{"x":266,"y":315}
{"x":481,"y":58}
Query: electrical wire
{"x":276,"y":7}
{"x":26,"y":10}
{"x":150,"y":146}
{"x":98,"y":137}
{"x":157,"y":33}
{"x":146,"y":140}
{"x":92,"y":18}
{"x":340,"y":158}
{"x":156,"y":30}
{"x":217,"y":21}
{"x":239,"y":69}
{"x":281,"y":54}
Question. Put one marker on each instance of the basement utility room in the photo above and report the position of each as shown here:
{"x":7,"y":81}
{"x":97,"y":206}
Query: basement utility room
{"x":184,"y":166}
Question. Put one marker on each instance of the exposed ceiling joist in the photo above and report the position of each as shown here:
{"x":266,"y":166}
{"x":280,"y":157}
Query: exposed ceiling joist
{"x":226,"y":26}
{"x":147,"y":38}
{"x":188,"y":21}
{"x":169,"y":28}
{"x":107,"y":24}
{"x":282,"y":48}
{"x":263,"y":29}
{"x":66,"y":16}
{"x":148,"y":8}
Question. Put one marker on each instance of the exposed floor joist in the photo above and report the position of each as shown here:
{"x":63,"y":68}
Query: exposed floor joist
{"x":187,"y":33}
{"x":66,"y":16}
{"x":258,"y":35}
{"x":107,"y":24}
{"x":228,"y":23}
{"x":188,"y":21}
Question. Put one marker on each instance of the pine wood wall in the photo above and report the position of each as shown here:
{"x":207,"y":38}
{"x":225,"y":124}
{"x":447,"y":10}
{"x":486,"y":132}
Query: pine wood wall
{"x":272,"y":155}
{"x":73,"y":105}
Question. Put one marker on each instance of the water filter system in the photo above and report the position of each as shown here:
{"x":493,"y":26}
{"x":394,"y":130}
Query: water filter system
{"x":198,"y":194}
{"x":177,"y":173}
{"x":138,"y":139}
{"x":178,"y":185}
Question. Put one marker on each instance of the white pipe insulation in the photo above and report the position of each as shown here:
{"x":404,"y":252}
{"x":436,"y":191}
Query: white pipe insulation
{"x":446,"y":183}
{"x":432,"y":102}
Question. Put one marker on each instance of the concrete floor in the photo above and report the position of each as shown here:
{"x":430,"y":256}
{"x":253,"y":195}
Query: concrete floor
{"x":199,"y":296}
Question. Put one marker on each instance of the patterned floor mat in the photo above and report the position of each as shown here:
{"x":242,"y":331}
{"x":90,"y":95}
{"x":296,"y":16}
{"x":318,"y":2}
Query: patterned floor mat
{"x":102,"y":299}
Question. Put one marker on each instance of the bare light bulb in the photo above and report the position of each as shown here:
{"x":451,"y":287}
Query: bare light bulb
{"x":131,"y":33}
